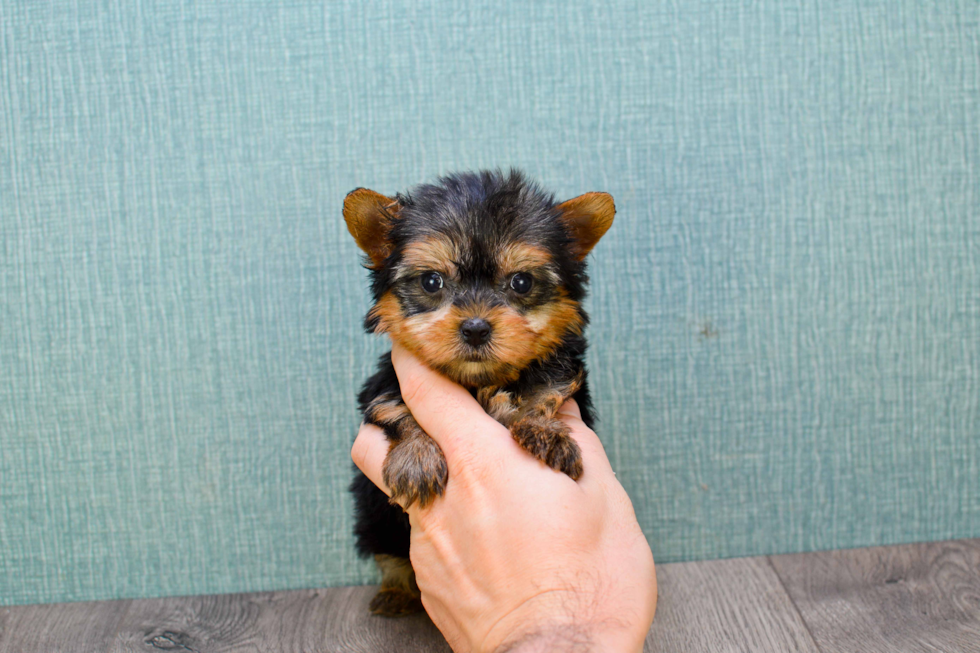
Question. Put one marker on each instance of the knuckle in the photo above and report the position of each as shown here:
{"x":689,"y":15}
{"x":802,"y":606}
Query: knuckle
{"x":359,"y":450}
{"x":414,"y":391}
{"x":472,"y":469}
{"x":357,"y":453}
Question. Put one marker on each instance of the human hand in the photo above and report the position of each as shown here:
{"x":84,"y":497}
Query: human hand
{"x":515,"y":556}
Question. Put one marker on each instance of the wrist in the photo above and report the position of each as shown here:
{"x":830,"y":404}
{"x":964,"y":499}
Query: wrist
{"x":559,"y":622}
{"x":575,"y":638}
{"x":564,"y":639}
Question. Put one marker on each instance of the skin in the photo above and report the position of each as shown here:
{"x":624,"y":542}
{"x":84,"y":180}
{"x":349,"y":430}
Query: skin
{"x":516,"y":556}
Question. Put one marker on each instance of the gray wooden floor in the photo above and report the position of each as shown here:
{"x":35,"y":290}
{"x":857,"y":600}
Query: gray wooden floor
{"x":920,"y":597}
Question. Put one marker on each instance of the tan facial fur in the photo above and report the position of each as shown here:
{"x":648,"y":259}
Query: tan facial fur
{"x":435,"y":253}
{"x":517,"y":338}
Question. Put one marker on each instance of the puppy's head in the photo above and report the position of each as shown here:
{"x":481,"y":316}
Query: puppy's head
{"x":479,"y":274}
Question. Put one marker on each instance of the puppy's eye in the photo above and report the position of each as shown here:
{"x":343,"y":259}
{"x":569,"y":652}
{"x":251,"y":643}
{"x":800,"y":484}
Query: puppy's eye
{"x":431,"y":282}
{"x":521,"y":283}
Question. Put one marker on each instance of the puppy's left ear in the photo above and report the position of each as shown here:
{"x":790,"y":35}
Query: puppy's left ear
{"x":587,"y":217}
{"x":369,"y":216}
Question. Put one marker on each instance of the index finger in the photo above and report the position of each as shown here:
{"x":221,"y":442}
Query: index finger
{"x":445,"y":410}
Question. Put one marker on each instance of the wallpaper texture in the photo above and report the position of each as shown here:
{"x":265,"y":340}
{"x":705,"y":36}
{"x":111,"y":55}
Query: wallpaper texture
{"x":786,"y":313}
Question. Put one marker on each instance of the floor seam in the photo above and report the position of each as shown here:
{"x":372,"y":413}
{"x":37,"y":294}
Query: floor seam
{"x":793,"y":603}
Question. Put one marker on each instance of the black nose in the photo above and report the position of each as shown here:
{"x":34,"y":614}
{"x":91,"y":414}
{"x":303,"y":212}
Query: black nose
{"x":476,"y":331}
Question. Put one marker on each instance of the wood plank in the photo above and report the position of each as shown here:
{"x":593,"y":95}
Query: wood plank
{"x":349,"y":627}
{"x":725,"y":605}
{"x":295,"y":621}
{"x":219,"y":623}
{"x":908,"y":598}
{"x":920,"y":597}
{"x":63,"y":627}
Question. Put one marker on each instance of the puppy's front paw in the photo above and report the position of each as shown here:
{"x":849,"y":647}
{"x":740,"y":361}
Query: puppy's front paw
{"x":415,"y":470}
{"x":548,"y":440}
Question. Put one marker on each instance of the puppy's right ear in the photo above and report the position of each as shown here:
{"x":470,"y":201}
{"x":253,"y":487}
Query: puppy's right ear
{"x":369,"y":217}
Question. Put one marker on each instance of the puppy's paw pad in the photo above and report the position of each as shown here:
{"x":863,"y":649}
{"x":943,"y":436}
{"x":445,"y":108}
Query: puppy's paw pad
{"x":395,"y":602}
{"x":415,"y":470}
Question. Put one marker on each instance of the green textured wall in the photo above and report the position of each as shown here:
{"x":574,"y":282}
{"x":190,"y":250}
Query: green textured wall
{"x":786,"y":339}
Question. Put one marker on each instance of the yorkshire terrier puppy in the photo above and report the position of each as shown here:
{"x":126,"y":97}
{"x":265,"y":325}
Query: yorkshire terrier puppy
{"x":481,"y":276}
